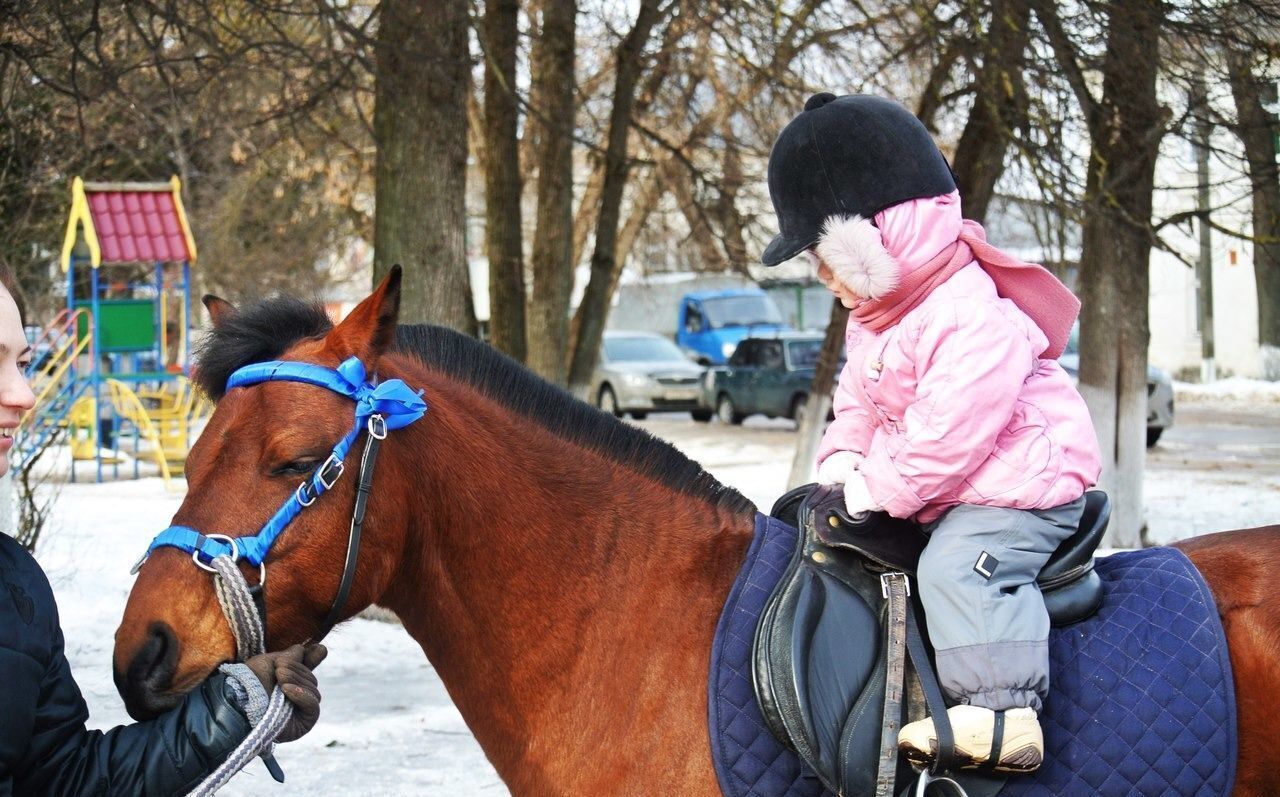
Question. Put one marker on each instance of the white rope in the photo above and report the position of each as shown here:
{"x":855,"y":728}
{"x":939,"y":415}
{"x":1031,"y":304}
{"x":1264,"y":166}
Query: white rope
{"x":242,"y":614}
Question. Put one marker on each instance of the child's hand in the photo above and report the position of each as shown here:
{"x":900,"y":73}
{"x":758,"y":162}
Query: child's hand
{"x":836,"y":468}
{"x":857,"y":499}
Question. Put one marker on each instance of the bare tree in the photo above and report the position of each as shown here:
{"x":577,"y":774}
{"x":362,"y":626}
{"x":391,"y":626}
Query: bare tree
{"x":420,"y":129}
{"x":627,"y":66}
{"x":554,"y":84}
{"x":503,"y":231}
{"x":999,"y":106}
{"x":1125,"y":127}
{"x":1259,"y":131}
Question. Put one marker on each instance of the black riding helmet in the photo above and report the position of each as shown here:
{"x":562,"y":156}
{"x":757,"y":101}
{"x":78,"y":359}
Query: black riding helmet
{"x":845,"y":156}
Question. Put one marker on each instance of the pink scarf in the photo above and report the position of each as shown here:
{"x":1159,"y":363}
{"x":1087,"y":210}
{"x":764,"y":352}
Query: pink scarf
{"x":1031,"y":287}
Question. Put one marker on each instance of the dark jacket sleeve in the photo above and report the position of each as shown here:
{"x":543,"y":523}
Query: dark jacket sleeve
{"x":56,"y":756}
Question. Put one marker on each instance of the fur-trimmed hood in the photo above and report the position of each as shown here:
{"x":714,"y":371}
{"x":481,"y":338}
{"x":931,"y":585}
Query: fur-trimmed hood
{"x":872,"y":256}
{"x":852,"y":249}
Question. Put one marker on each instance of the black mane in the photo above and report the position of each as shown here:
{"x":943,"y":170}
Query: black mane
{"x":264,"y":330}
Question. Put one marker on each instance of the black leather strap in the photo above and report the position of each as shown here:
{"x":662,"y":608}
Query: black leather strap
{"x":896,"y":592}
{"x":946,"y":754}
{"x":363,"y":489}
{"x":997,"y":741}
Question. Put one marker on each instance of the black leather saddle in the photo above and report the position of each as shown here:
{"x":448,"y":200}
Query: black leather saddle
{"x":822,"y":663}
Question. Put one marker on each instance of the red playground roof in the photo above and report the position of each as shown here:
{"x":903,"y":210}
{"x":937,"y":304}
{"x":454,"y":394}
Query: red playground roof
{"x":129,"y":223}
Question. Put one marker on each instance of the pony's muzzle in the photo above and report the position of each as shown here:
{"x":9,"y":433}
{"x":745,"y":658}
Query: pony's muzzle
{"x":146,"y":683}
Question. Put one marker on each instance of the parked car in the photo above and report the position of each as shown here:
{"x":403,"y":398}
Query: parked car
{"x":710,"y":324}
{"x":643,"y":372}
{"x":1159,"y":388}
{"x":769,"y":375}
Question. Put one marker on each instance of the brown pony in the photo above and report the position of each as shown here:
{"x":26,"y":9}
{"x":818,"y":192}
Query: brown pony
{"x":562,"y":571}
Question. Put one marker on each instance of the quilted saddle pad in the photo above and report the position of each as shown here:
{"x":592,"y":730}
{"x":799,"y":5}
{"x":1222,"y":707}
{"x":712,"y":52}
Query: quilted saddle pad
{"x":1141,"y":699}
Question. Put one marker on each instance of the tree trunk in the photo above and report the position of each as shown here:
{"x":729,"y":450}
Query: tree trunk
{"x":548,"y":319}
{"x":616,"y":166}
{"x":420,"y":129}
{"x":503,"y":241}
{"x":1125,"y":128}
{"x":809,"y":435}
{"x":999,"y":107}
{"x":1258,"y":130}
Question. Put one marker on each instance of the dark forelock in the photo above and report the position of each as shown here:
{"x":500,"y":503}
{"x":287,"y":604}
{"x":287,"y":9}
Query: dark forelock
{"x":255,"y":333}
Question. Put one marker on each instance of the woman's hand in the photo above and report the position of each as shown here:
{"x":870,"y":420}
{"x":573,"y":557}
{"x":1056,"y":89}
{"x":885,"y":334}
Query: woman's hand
{"x":291,"y":670}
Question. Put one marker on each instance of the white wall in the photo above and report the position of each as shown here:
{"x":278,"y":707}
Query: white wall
{"x":1175,"y":338}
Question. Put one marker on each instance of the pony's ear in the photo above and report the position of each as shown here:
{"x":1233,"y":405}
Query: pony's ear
{"x":219,"y":309}
{"x":370,"y":329}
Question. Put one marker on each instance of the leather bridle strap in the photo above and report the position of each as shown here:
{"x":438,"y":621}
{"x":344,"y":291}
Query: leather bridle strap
{"x":363,"y":489}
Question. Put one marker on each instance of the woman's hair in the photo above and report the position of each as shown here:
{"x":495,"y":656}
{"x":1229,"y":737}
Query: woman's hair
{"x":10,"y":283}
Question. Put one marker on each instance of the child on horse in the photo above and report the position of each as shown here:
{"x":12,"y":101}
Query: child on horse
{"x":952,"y":408}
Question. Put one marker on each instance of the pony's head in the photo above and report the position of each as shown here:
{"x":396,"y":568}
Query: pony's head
{"x":262,"y":441}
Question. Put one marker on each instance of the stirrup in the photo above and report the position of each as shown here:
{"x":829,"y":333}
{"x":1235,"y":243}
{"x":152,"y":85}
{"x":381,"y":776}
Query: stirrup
{"x":940,"y":786}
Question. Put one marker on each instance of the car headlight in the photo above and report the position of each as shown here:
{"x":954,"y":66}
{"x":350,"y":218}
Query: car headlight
{"x":635,"y":380}
{"x":727,"y":349}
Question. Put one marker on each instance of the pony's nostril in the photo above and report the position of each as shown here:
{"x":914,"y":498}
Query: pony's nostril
{"x":150,"y":674}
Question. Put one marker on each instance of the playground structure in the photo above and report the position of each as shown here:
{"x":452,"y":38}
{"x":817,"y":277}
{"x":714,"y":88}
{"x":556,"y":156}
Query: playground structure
{"x":112,"y":367}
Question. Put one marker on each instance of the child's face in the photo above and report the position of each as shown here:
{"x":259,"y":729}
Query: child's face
{"x":847,"y":297}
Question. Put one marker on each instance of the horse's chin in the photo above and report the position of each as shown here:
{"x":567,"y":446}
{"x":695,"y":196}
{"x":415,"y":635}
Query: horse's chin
{"x":149,"y":684}
{"x":145,"y":705}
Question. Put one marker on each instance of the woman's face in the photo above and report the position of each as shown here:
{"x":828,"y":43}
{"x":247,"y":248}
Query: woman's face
{"x":15,"y":394}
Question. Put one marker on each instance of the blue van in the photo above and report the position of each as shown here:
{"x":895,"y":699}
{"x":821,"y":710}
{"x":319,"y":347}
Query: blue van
{"x":711,"y":323}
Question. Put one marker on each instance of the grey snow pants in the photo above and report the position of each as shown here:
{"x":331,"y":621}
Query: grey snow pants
{"x":985,"y":614}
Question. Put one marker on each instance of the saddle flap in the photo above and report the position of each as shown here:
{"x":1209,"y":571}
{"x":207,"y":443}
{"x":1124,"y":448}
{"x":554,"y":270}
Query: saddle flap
{"x":818,"y":661}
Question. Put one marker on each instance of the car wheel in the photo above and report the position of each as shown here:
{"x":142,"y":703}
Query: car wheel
{"x":725,"y":410}
{"x":701,"y":416}
{"x":799,"y":408}
{"x":608,"y":402}
{"x":1153,"y":435}
{"x":639,"y":416}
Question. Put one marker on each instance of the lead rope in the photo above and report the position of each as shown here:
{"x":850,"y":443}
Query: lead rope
{"x":237,"y":605}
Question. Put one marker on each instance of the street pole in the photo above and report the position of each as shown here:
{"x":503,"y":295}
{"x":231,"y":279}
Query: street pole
{"x":1204,"y":266}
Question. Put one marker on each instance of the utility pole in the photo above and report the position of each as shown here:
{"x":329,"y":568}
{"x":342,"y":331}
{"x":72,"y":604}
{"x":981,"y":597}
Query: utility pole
{"x":1204,"y":266}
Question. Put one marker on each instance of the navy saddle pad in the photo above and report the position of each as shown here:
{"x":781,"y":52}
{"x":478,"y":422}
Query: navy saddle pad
{"x":1141,"y":699}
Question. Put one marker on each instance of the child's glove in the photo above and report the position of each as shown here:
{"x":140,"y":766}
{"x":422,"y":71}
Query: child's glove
{"x":857,"y":499}
{"x":836,"y":468}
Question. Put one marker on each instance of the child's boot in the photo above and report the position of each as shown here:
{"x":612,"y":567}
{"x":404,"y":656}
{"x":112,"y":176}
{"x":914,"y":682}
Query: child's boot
{"x":1018,"y":746}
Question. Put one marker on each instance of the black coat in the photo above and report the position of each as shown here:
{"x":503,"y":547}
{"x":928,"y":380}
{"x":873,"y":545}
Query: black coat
{"x":44,"y":746}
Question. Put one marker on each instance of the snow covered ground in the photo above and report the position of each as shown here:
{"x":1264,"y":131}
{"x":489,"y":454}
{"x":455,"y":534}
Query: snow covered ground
{"x":388,"y":727}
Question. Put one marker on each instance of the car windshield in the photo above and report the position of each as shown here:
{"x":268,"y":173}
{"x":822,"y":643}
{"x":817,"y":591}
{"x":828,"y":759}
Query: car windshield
{"x":738,"y":311}
{"x":640,"y":349}
{"x":804,"y":353}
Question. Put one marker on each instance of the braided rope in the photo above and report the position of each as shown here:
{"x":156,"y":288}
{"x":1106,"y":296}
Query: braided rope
{"x":237,"y":605}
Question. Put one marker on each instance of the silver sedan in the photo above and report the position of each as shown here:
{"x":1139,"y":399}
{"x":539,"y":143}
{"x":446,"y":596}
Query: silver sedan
{"x":643,"y":372}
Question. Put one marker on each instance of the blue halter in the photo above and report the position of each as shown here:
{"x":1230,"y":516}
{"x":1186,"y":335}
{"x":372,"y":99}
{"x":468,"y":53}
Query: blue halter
{"x":380,"y":408}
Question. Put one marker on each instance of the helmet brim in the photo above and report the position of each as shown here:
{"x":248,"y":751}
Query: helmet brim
{"x":783,"y":248}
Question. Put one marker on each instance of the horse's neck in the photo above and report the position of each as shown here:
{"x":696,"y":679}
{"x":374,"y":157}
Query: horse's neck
{"x":561,"y":597}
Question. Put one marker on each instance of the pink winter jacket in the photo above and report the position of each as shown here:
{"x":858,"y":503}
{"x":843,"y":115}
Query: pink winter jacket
{"x":953,"y":405}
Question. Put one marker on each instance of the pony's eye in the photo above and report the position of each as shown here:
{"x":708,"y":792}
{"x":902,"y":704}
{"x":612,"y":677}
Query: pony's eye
{"x":298,"y":467}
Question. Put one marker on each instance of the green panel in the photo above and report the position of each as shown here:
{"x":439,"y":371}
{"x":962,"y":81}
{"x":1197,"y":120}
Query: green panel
{"x":123,"y":324}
